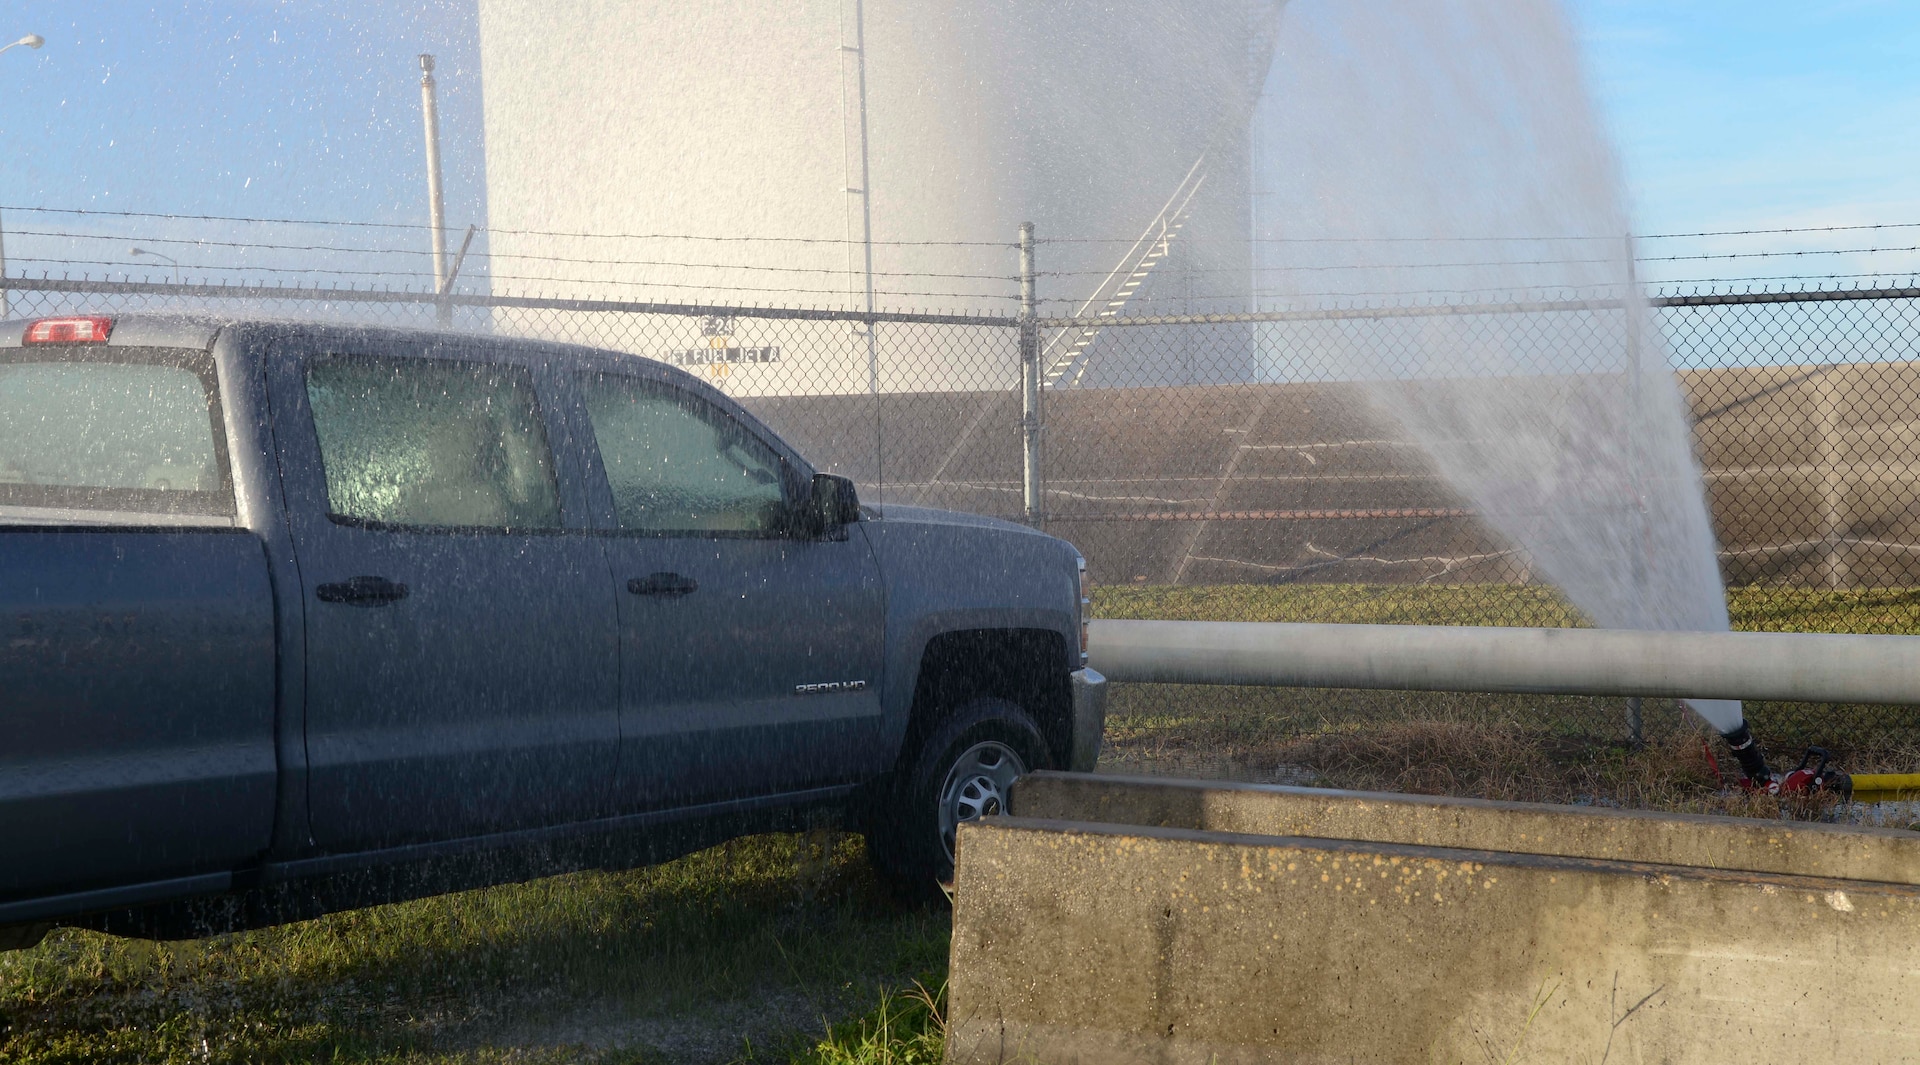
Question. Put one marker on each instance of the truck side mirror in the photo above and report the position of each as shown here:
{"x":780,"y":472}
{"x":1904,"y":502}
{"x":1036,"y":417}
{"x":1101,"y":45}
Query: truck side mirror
{"x":833,"y":503}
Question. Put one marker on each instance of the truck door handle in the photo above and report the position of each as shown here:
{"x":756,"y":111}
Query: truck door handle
{"x":362,"y":591}
{"x":671,"y":585}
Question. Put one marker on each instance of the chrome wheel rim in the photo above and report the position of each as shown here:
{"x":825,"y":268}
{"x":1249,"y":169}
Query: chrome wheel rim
{"x":977,"y":786}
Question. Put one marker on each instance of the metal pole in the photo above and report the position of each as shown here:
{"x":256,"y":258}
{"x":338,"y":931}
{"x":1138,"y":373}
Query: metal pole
{"x":1834,"y":527}
{"x":1630,"y":306}
{"x":1791,"y":666}
{"x":436,"y":201}
{"x":866,"y":195}
{"x":31,"y":40}
{"x":6,"y":308}
{"x":1029,"y":379}
{"x":853,"y":106}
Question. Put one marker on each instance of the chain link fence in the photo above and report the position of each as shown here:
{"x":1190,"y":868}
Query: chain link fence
{"x":1227,"y":467}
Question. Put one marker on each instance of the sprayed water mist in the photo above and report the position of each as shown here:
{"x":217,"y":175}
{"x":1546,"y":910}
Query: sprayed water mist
{"x":1448,"y":153}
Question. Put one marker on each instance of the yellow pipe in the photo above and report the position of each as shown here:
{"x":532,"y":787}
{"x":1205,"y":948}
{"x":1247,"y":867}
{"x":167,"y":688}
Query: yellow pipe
{"x":1885,"y":782}
{"x":1885,"y":796}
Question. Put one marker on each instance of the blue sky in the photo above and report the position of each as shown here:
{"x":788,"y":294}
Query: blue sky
{"x":237,"y":107}
{"x":254,"y":108}
{"x":1757,"y":114}
{"x":1728,"y":115}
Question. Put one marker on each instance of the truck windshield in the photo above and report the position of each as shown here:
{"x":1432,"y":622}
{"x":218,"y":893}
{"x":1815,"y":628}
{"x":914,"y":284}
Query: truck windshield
{"x":129,"y":430}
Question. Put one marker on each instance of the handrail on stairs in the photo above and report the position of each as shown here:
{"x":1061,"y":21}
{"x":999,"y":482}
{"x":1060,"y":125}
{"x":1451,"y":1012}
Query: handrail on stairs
{"x":1064,"y":358}
{"x":1062,"y":354}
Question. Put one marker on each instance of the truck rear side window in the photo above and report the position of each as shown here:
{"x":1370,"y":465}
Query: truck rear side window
{"x":430,"y":443}
{"x":129,"y":430}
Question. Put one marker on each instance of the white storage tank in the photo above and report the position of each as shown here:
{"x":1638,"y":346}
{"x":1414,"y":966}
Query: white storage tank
{"x":808,"y":134}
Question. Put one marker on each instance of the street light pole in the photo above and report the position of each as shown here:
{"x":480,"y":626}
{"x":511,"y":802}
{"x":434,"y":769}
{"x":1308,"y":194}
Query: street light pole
{"x":436,"y":203}
{"x":136,"y":252}
{"x":31,"y":40}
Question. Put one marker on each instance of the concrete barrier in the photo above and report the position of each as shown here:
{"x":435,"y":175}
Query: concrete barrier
{"x":1734,"y":844}
{"x":1247,"y":923}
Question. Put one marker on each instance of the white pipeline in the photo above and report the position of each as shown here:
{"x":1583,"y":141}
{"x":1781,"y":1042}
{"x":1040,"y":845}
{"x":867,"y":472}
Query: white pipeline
{"x":1700,"y":665}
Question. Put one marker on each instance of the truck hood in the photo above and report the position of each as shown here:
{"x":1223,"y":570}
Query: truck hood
{"x":897,"y":512}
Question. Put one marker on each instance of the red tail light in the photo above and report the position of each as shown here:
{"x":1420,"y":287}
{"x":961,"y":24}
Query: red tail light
{"x":91,"y":329}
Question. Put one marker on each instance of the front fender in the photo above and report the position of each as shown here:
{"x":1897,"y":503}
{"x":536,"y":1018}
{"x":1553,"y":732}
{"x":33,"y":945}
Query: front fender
{"x":943,"y":578}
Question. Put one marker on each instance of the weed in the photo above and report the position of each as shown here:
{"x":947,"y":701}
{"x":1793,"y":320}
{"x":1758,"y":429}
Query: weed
{"x":908,"y":1027}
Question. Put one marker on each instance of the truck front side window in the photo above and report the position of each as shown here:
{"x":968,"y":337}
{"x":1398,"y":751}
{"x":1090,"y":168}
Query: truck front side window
{"x":677,"y":465}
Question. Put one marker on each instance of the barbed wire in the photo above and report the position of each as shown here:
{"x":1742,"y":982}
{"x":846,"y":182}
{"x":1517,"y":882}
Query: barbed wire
{"x":172,"y":216}
{"x":584,"y":234}
{"x":423,"y":228}
{"x":137,"y":238}
{"x":846,"y":279}
{"x":858,"y":272}
{"x":1652,"y":287}
{"x":250,"y":267}
{"x":406,"y":280}
{"x":1776,"y":232}
{"x":1774,"y":254}
{"x":855,"y":273}
{"x":654,"y":285}
{"x":486,"y":255}
{"x":1511,"y":238}
{"x":1399,"y":304}
{"x":1890,"y":274}
{"x":1176,"y":271}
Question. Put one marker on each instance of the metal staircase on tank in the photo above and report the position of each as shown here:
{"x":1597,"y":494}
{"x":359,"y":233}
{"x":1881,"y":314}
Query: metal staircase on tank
{"x":1065,"y":355}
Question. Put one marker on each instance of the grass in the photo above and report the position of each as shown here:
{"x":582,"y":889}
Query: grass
{"x":1672,"y":773}
{"x":1350,"y":604}
{"x":1894,"y":611}
{"x":757,"y":942}
{"x":908,"y":1027}
{"x":783,"y":948}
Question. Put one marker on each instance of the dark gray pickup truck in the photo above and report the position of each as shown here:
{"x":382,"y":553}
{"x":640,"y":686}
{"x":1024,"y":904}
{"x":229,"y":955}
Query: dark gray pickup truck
{"x":296,"y":618}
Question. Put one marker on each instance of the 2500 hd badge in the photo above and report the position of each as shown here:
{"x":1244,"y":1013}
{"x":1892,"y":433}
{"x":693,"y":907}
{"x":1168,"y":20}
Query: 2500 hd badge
{"x":830,"y":686}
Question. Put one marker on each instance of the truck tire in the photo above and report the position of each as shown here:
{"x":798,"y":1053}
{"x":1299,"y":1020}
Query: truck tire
{"x":960,"y":773}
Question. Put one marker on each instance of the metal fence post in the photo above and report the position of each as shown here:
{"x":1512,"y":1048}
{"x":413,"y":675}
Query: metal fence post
{"x":1630,"y":306}
{"x":1834,"y":524}
{"x":1029,"y":381}
{"x":6,"y":309}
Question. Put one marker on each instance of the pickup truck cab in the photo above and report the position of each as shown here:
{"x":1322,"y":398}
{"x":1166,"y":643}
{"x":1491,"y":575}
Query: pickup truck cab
{"x":298,"y":617}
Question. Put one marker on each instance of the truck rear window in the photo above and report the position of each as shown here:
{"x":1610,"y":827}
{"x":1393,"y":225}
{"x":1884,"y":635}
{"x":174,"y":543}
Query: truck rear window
{"x":134,"y":431}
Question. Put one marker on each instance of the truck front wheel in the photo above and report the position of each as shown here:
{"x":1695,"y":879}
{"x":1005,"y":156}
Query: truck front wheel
{"x":961,"y":773}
